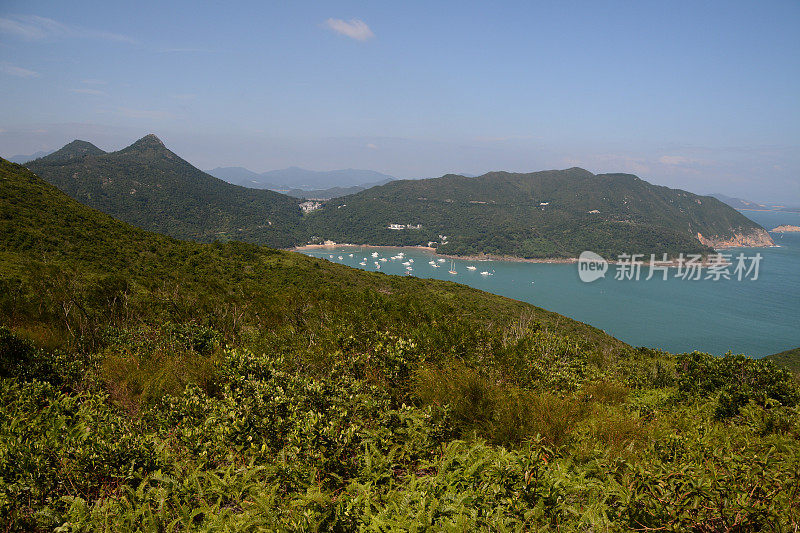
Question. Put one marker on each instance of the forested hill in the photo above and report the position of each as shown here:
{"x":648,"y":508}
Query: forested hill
{"x":149,"y":186}
{"x":556,"y":213}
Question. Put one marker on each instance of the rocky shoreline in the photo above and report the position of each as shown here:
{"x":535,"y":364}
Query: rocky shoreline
{"x":757,"y":238}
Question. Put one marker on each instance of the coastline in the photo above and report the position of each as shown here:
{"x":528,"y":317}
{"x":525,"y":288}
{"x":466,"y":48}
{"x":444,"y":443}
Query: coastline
{"x":480,"y":257}
{"x":509,"y":258}
{"x":347,"y":245}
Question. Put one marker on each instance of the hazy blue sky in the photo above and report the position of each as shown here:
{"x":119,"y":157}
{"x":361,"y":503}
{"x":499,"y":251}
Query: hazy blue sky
{"x":699,"y":95}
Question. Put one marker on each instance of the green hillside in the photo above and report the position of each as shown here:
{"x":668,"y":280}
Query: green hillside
{"x":161,"y":385}
{"x":538,"y":215}
{"x":789,"y":359}
{"x":542,"y":214}
{"x":149,"y":186}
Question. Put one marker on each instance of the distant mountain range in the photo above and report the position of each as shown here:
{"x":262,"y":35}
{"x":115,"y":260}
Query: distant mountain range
{"x":327,"y":194}
{"x":548,"y":214}
{"x":295,"y":178}
{"x":738,"y":203}
{"x":149,"y":186}
{"x":21,"y":159}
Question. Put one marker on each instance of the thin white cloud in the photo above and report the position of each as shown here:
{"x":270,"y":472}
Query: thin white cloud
{"x":93,"y":92}
{"x":36,"y":28}
{"x":94,"y":82}
{"x":355,"y":28}
{"x":372,"y":146}
{"x":13,"y":70}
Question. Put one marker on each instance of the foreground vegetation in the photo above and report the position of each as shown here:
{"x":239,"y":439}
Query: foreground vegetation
{"x":148,"y":383}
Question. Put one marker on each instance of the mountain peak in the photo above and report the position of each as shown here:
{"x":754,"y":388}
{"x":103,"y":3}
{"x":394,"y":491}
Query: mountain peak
{"x":579,"y":170}
{"x":147,"y":145}
{"x":77,"y":149}
{"x":149,"y":141}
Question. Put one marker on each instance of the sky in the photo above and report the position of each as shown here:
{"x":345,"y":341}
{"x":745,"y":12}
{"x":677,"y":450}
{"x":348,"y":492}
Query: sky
{"x":703,"y":96}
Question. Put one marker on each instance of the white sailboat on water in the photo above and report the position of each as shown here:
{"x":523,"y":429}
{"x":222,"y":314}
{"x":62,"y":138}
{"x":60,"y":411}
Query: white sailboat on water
{"x":453,"y":268}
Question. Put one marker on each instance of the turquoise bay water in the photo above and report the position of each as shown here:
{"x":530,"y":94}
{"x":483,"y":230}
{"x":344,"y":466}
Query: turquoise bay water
{"x":754,"y":317}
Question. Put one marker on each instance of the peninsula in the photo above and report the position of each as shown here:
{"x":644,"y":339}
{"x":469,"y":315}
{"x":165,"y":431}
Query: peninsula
{"x":786,"y":228}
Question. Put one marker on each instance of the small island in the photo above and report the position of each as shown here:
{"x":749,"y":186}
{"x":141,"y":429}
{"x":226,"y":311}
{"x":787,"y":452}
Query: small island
{"x":786,"y":229}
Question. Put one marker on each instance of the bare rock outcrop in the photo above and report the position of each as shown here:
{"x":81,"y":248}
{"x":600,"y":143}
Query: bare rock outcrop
{"x":755,"y":238}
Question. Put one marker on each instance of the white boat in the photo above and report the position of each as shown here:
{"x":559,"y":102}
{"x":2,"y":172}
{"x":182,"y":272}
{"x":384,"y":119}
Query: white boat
{"x":374,"y":254}
{"x":441,"y":259}
{"x":409,"y":269}
{"x":485,"y":273}
{"x":383,"y":259}
{"x":351,"y":255}
{"x":363,"y":263}
{"x":340,"y":258}
{"x":406,"y":263}
{"x":435,"y":265}
{"x":472,"y":267}
{"x":410,"y":260}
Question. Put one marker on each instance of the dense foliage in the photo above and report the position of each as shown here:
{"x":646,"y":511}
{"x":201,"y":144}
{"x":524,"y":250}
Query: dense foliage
{"x":153,"y":384}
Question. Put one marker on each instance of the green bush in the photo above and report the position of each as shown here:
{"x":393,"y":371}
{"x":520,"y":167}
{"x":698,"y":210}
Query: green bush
{"x":738,"y":380}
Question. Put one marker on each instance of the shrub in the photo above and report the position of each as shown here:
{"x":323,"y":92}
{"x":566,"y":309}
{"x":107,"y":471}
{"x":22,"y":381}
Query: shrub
{"x":738,"y":380}
{"x":500,"y":412}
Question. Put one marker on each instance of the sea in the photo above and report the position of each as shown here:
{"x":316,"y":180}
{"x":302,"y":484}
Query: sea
{"x":756,"y":315}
